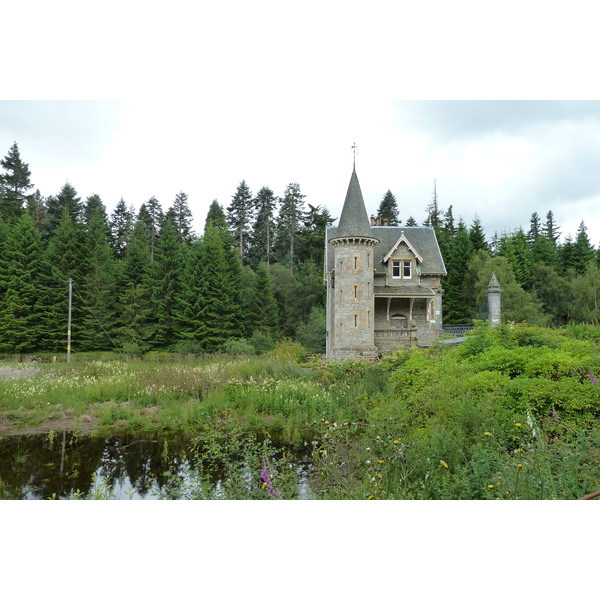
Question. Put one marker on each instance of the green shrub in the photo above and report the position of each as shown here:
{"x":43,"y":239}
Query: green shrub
{"x":238,"y":347}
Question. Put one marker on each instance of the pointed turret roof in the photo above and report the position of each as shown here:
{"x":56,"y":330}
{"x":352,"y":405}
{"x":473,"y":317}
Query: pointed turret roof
{"x":354,"y":221}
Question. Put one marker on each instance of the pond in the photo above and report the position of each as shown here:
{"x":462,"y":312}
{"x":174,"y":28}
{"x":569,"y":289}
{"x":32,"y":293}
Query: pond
{"x":64,"y":465}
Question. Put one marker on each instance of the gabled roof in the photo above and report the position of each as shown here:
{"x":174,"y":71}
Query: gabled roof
{"x":401,"y":239}
{"x":421,"y":239}
{"x":354,"y":221}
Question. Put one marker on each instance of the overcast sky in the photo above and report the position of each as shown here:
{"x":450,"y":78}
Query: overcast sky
{"x":500,"y":160}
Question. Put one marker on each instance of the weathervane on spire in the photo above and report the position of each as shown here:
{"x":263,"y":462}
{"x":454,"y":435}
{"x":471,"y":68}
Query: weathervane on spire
{"x":354,"y":148}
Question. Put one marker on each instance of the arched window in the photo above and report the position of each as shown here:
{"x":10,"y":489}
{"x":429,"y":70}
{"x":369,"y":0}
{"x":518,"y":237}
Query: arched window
{"x":398,"y":321}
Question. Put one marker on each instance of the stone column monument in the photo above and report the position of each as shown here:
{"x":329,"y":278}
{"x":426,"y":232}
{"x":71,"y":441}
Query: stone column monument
{"x":494,"y":295}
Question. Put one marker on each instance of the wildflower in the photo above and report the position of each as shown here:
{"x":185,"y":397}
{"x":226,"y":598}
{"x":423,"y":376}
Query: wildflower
{"x":444,"y":464}
{"x":368,"y":462}
{"x":370,"y":498}
{"x":265,"y":476}
{"x":593,"y":379}
{"x":490,"y":486}
{"x":381,"y":461}
{"x":517,"y":424}
{"x":396,"y":442}
{"x":519,"y":465}
{"x":487,"y":433}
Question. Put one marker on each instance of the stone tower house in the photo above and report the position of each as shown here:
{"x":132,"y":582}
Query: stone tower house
{"x":383,"y":284}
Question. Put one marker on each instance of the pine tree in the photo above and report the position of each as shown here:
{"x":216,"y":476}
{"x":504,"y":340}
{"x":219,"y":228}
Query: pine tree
{"x":456,"y":304}
{"x":23,"y":289}
{"x":265,"y":307}
{"x":151,"y":215}
{"x":98,"y":291}
{"x":515,"y":248}
{"x":583,"y":251}
{"x":66,"y":256}
{"x":14,"y":185}
{"x":289,"y":224}
{"x":66,"y":199}
{"x":261,"y":240}
{"x":411,"y":222}
{"x":388,"y":209}
{"x":166,"y":287}
{"x":477,"y":236}
{"x":181,"y":216}
{"x":240,"y":213}
{"x":121,"y":226}
{"x":209,"y":303}
{"x":36,"y":207}
{"x":216,"y":217}
{"x":135,"y":291}
{"x":535,"y":229}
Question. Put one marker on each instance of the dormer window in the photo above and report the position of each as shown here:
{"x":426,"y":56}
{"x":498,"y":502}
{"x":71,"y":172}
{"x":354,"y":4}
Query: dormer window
{"x":402,"y":269}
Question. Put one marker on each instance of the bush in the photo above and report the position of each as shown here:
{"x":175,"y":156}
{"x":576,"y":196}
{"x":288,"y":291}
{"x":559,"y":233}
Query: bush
{"x":188,"y":347}
{"x":238,"y":347}
{"x":261,"y":342}
{"x":288,"y":351}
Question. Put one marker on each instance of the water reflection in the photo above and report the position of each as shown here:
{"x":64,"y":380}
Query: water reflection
{"x":63,"y":465}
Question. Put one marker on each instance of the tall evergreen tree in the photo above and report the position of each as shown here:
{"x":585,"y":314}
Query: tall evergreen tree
{"x":456,"y":305}
{"x":216,"y":217}
{"x":166,"y":287}
{"x":135,"y":290}
{"x":583,"y":251}
{"x":388,"y":209}
{"x":98,"y":291}
{"x":14,"y":184}
{"x":265,"y":307}
{"x":477,"y":236}
{"x":67,"y":199}
{"x":289,"y":224}
{"x":262,"y":236}
{"x":151,"y":215}
{"x":121,"y":226}
{"x":181,"y":216}
{"x":310,"y":244}
{"x":66,"y":256}
{"x":36,"y":207}
{"x":240,"y":213}
{"x":411,"y":222}
{"x":515,"y":248}
{"x":22,"y":310}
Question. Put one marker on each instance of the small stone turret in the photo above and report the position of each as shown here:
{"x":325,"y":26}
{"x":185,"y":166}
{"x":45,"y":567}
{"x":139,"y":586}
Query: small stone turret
{"x":494,"y":294}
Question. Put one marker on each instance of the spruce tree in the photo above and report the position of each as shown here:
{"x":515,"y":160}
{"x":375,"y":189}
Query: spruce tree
{"x":135,"y":290}
{"x":166,"y":287}
{"x":388,"y":209}
{"x":240,"y":213}
{"x":66,"y":256}
{"x":583,"y":251}
{"x":411,"y":222}
{"x":121,"y":226}
{"x":181,"y":216}
{"x":265,"y":307}
{"x":289,"y":225}
{"x":23,"y":289}
{"x":65,"y":200}
{"x":477,"y":236}
{"x":98,"y":291}
{"x":36,"y":207}
{"x":151,"y":215}
{"x":456,"y":304}
{"x":14,"y":184}
{"x":262,"y":237}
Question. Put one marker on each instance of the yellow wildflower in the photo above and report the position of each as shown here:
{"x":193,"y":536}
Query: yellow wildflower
{"x":444,"y":464}
{"x":517,"y":424}
{"x":396,"y":442}
{"x":487,"y":433}
{"x":519,"y":465}
{"x":490,"y":486}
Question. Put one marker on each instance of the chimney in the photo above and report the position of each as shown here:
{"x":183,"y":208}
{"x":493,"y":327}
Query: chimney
{"x":378,"y":220}
{"x":386,"y":222}
{"x":372,"y":220}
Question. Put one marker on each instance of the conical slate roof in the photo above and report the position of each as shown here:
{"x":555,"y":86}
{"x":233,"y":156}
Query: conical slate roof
{"x":354,"y":221}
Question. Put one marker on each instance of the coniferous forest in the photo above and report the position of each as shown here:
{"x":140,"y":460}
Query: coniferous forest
{"x":145,"y":280}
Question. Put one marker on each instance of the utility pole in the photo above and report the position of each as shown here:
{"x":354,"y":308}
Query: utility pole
{"x":69,"y":323}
